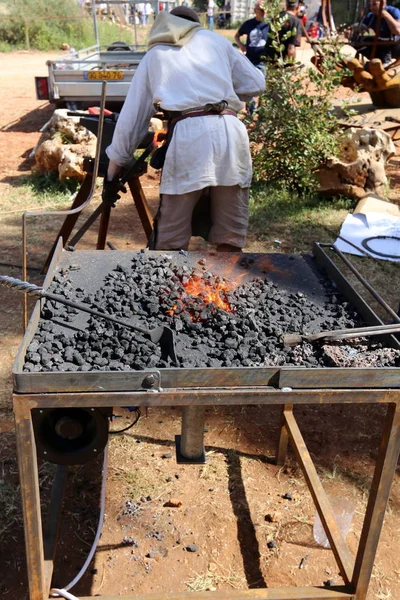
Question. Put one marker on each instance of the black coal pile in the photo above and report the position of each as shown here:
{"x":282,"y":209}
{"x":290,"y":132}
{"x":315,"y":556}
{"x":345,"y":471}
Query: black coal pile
{"x":216,"y":323}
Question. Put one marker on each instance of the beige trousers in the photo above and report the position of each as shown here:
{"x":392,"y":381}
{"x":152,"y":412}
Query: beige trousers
{"x":229,"y":215}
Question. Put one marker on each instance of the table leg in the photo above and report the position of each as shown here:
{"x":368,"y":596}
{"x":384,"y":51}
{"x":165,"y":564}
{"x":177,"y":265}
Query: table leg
{"x":281,"y":449}
{"x":30,"y":495}
{"x":378,"y":499}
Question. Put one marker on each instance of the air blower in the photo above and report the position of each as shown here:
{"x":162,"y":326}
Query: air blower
{"x":70,"y":436}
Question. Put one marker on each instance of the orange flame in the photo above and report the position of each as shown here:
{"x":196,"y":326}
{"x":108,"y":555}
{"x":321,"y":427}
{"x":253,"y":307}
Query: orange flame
{"x":210,"y":293}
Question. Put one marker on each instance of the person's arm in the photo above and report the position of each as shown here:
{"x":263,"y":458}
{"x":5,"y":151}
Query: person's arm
{"x":237,"y":37}
{"x":393,"y":24}
{"x":133,"y":122}
{"x":294,"y":41}
{"x":248,"y":81}
{"x":291,"y":51}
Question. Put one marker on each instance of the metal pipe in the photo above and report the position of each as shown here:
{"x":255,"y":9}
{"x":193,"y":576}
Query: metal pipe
{"x":72,"y":211}
{"x":192,"y":436}
{"x":96,"y":29}
{"x":365,"y":283}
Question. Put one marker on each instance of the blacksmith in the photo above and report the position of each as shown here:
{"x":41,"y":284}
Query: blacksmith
{"x":198,"y":79}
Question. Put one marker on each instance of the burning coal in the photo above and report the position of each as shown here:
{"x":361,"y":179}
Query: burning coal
{"x":217,"y":322}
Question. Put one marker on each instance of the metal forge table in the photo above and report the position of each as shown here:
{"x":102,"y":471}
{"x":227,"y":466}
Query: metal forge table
{"x":197,"y":388}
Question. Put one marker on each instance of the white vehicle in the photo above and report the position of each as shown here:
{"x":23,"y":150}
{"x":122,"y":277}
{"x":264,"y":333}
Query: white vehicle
{"x":75,"y":81}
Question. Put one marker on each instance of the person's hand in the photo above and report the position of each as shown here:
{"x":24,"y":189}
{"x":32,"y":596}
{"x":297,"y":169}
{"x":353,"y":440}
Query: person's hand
{"x":242,"y":48}
{"x":111,"y":191}
{"x":374,"y":7}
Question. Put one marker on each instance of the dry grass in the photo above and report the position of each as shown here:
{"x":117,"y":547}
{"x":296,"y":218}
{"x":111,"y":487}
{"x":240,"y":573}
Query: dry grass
{"x":210,"y":580}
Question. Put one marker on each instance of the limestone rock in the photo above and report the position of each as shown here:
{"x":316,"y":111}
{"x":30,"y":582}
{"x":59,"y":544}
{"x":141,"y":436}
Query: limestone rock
{"x":360,"y":167}
{"x":62,"y":146}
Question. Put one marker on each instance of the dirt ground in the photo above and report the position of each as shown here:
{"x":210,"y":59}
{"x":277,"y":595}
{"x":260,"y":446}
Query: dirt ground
{"x":228,"y":510}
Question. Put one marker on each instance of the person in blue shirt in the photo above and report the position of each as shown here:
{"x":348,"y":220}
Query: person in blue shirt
{"x":256,"y":32}
{"x":389,"y":31}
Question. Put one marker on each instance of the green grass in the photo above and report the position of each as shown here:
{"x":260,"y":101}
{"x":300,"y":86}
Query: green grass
{"x":295,"y":220}
{"x":32,"y":191}
{"x":50,"y":35}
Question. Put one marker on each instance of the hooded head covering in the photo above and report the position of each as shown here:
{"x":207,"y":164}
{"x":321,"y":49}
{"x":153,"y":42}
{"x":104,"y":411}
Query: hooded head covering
{"x":172,"y":30}
{"x":185,"y":13}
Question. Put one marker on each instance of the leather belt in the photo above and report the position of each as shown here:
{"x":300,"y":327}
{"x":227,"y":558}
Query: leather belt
{"x":174,"y":117}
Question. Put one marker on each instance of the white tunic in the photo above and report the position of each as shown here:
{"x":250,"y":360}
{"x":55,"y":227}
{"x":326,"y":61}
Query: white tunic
{"x":204,"y":151}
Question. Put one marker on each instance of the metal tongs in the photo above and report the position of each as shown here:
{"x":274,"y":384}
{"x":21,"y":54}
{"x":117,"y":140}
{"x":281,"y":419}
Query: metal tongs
{"x":292,"y":339}
{"x":159,"y":335}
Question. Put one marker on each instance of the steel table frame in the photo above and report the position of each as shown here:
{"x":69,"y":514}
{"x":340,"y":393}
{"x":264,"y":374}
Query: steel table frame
{"x":356,"y":574}
{"x":264,"y":386}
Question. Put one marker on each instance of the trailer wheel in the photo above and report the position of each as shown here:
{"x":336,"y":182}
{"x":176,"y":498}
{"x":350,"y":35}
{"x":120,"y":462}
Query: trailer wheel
{"x":118,"y":46}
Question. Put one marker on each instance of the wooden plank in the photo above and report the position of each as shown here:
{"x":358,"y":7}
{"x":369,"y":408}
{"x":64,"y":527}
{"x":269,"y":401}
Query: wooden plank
{"x":298,"y":593}
{"x":283,"y":441}
{"x":340,"y":550}
{"x":30,"y":496}
{"x":377,"y":501}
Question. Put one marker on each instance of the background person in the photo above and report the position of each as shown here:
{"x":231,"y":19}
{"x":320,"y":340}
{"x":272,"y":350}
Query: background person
{"x":210,"y":14}
{"x":256,"y":32}
{"x":389,"y":30}
{"x":209,"y":148}
{"x":292,"y":25}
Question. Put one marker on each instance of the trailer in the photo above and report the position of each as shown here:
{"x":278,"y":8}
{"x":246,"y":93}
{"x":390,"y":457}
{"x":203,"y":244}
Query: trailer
{"x":75,"y":81}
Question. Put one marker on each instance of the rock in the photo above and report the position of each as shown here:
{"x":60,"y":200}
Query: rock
{"x":271,"y":544}
{"x":288,"y":496}
{"x":62,"y":146}
{"x":167,"y":455}
{"x":173,"y":503}
{"x":360,"y":167}
{"x":129,"y":541}
{"x":192,"y":548}
{"x":48,"y":155}
{"x":274,"y":517}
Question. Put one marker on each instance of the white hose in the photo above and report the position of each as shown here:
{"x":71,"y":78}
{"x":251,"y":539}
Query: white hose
{"x":64,"y":593}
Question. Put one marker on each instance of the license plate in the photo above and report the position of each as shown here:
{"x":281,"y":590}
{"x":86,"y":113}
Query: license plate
{"x":104,"y":75}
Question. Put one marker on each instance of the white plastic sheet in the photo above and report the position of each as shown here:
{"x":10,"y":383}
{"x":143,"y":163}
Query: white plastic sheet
{"x":357,"y":228}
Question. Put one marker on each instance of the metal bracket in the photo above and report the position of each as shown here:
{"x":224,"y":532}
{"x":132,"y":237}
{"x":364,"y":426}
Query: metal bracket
{"x":152,"y":382}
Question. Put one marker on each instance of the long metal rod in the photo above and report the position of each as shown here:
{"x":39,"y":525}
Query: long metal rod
{"x":284,"y":593}
{"x":367,"y":285}
{"x":233,"y":397}
{"x":72,"y":211}
{"x":378,"y":498}
{"x":340,"y":550}
{"x":96,"y":29}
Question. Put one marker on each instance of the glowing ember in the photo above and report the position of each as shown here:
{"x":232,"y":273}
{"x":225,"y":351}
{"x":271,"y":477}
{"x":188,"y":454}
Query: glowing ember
{"x":209,"y":292}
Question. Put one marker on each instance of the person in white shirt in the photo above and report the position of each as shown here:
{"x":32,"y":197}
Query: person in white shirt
{"x":200,"y":81}
{"x":141,"y":13}
{"x":210,"y":14}
{"x":148,"y":11}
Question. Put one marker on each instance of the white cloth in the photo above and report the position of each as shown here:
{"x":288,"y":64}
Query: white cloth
{"x":210,"y":8}
{"x":204,"y":151}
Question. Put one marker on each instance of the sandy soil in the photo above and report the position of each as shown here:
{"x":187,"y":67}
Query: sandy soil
{"x":229,"y":508}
